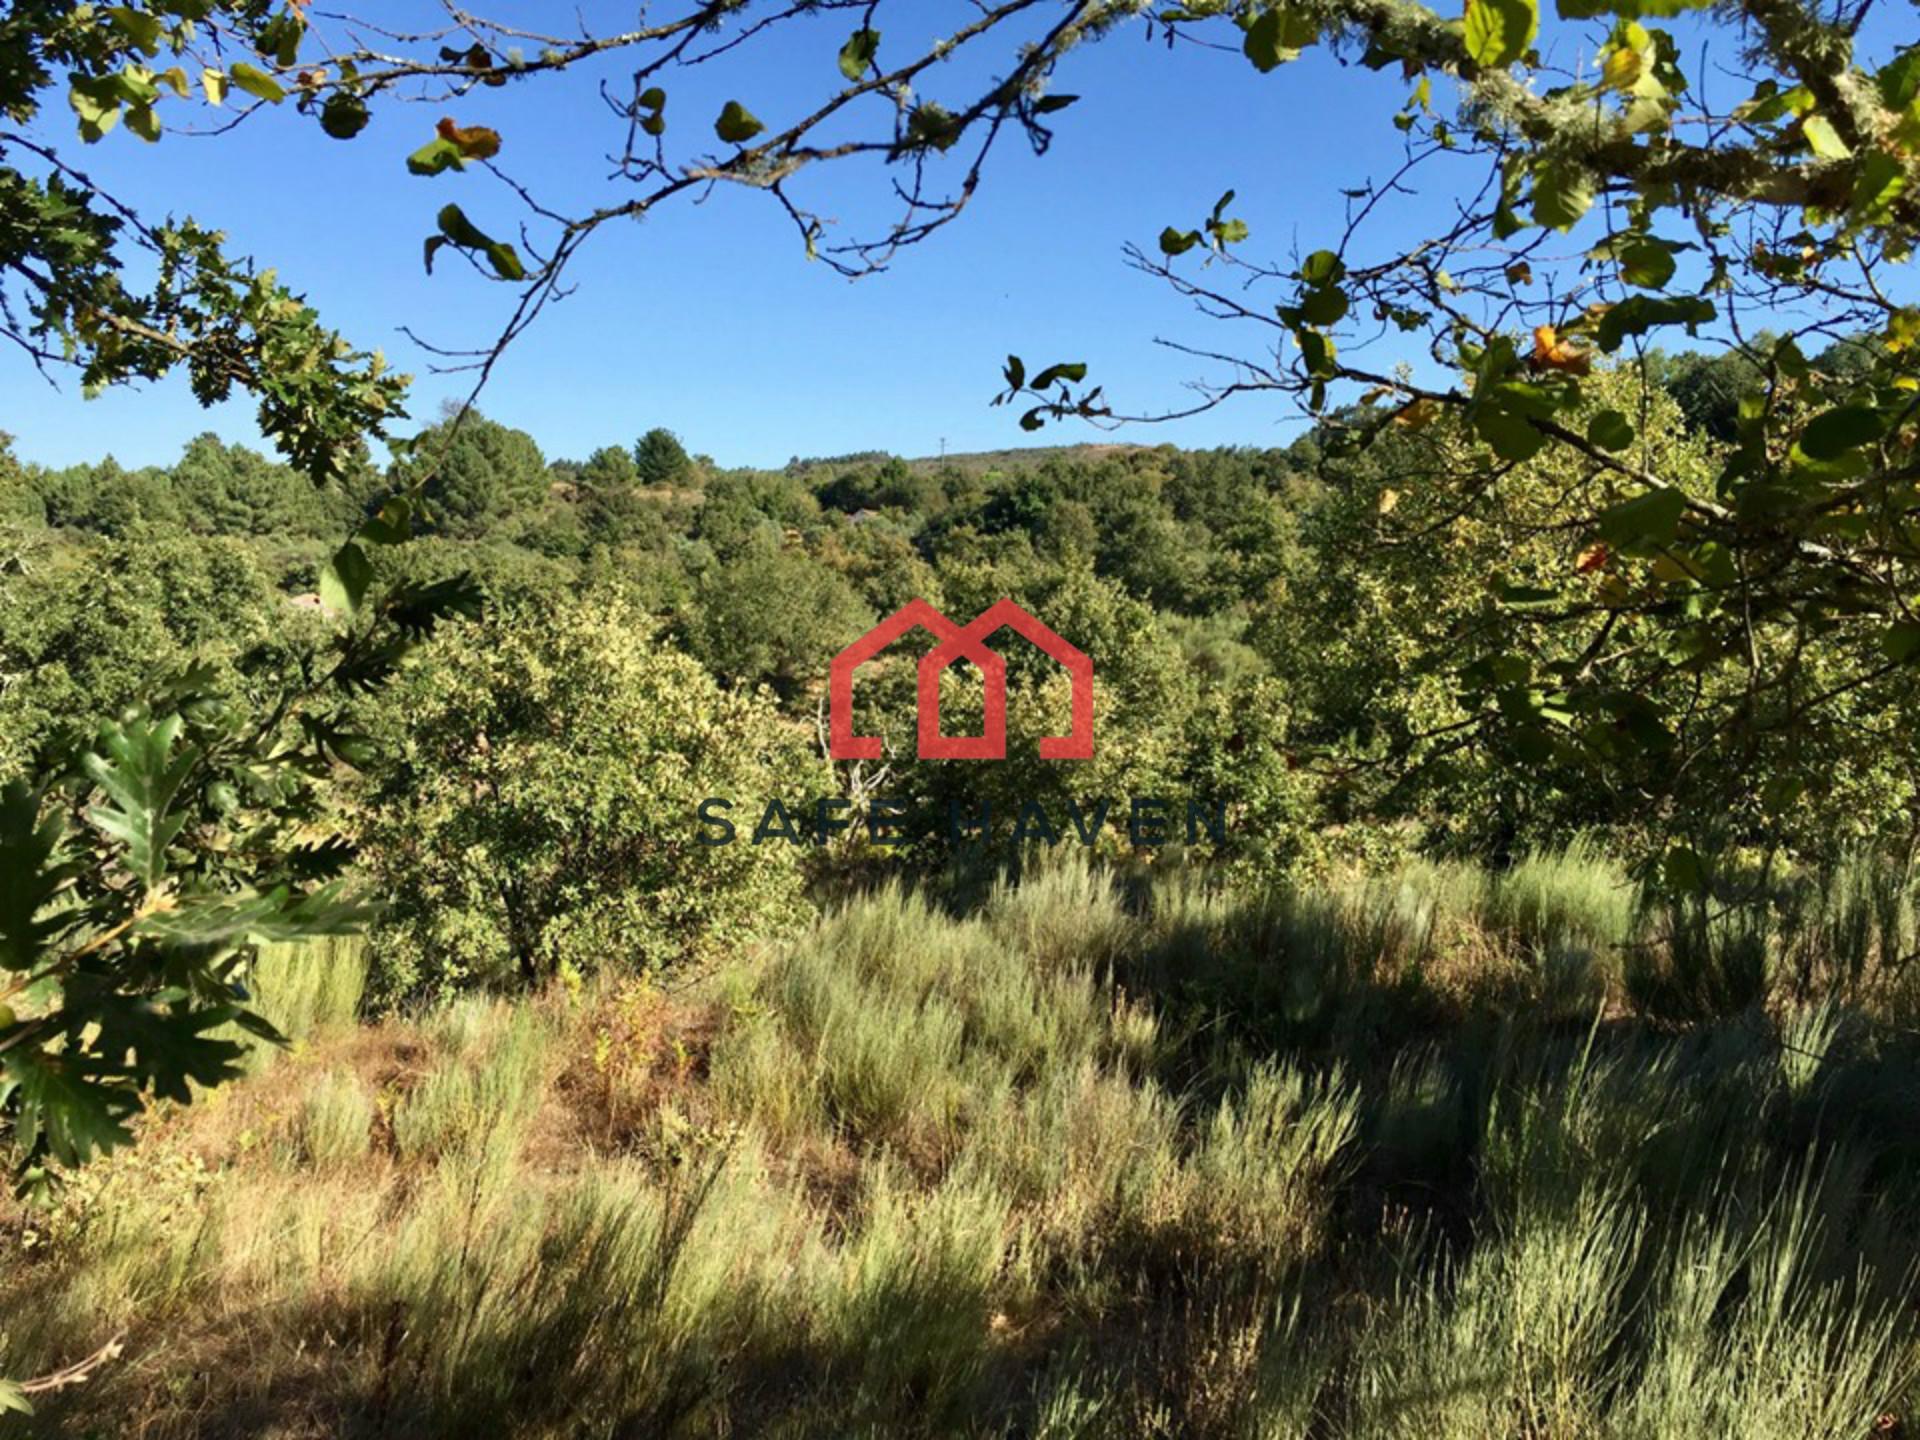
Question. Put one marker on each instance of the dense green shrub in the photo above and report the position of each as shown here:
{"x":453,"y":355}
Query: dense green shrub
{"x":537,"y":815}
{"x":95,"y":627}
{"x":774,"y":617}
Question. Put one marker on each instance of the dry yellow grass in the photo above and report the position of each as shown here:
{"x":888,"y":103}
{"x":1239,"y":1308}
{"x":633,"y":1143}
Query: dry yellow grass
{"x":1225,"y":1167}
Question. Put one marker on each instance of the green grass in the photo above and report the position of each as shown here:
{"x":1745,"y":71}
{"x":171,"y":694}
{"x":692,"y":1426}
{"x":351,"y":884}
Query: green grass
{"x":1347,"y":1162}
{"x":305,"y":987}
{"x":335,"y":1126}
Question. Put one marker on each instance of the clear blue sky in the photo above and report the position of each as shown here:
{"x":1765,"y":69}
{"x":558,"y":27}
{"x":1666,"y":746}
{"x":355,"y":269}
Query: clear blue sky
{"x":707,"y":318}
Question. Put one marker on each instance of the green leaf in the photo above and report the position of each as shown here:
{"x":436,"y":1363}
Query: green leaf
{"x":1509,"y":434}
{"x":1227,"y":232}
{"x":1530,"y":399}
{"x":62,"y":1104}
{"x":416,"y":609}
{"x":1318,"y":351}
{"x":1653,"y":517}
{"x":1498,"y":32}
{"x":1823,"y":139}
{"x":736,"y":124}
{"x":344,"y":116}
{"x":142,"y":30}
{"x":1322,"y":267}
{"x":1831,"y":435}
{"x":1640,"y":313}
{"x":857,"y":54}
{"x":461,"y":231}
{"x":255,"y":82}
{"x":392,"y":524}
{"x":1899,"y":80}
{"x":436,"y":157}
{"x":1683,"y":871}
{"x":1879,"y":182}
{"x":344,"y":580}
{"x":96,"y":103}
{"x":141,"y":777}
{"x":1525,"y":597}
{"x":13,"y":1399}
{"x":1645,"y":261}
{"x":31,"y":876}
{"x":1324,"y":305}
{"x":166,"y":1044}
{"x":1047,"y":104}
{"x":1610,"y":430}
{"x":1627,"y":9}
{"x":1901,"y":641}
{"x":1561,"y":195}
{"x":505,"y":261}
{"x":276,"y":917}
{"x":1074,"y":372}
{"x":280,"y":37}
{"x":1178,"y":242}
{"x":144,"y":121}
{"x":1277,"y":36}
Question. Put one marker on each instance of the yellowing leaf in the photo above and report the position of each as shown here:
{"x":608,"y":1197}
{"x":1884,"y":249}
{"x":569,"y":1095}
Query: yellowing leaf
{"x":257,"y":83}
{"x":1621,"y":68}
{"x":1550,"y":352}
{"x":214,"y":84}
{"x":475,"y":142}
{"x":1823,"y":139}
{"x":1417,"y":414}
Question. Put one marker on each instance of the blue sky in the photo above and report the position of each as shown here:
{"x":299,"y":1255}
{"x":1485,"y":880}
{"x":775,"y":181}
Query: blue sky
{"x":707,"y":318}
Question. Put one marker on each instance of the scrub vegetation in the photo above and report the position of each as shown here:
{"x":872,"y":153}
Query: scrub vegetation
{"x":1429,"y":1153}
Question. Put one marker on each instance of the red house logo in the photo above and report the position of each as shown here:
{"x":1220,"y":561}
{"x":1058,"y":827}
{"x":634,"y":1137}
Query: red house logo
{"x":955,"y":643}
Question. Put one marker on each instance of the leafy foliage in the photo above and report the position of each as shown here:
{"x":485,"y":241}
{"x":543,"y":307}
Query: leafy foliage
{"x":146,"y":860}
{"x":531,"y":815}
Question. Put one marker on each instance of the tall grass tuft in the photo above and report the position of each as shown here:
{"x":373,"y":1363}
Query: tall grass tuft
{"x":309,"y":985}
{"x":1703,"y":962}
{"x":335,"y":1125}
{"x":480,"y":1097}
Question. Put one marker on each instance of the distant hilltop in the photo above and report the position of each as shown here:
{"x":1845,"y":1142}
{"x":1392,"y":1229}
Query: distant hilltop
{"x":973,"y":461}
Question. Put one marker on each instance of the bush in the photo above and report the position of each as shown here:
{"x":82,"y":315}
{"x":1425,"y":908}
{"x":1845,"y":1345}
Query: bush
{"x":537,"y":812}
{"x":106,"y":623}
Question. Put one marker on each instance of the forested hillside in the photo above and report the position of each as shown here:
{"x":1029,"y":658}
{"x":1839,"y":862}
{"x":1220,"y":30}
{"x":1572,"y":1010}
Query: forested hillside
{"x":1293,"y":634}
